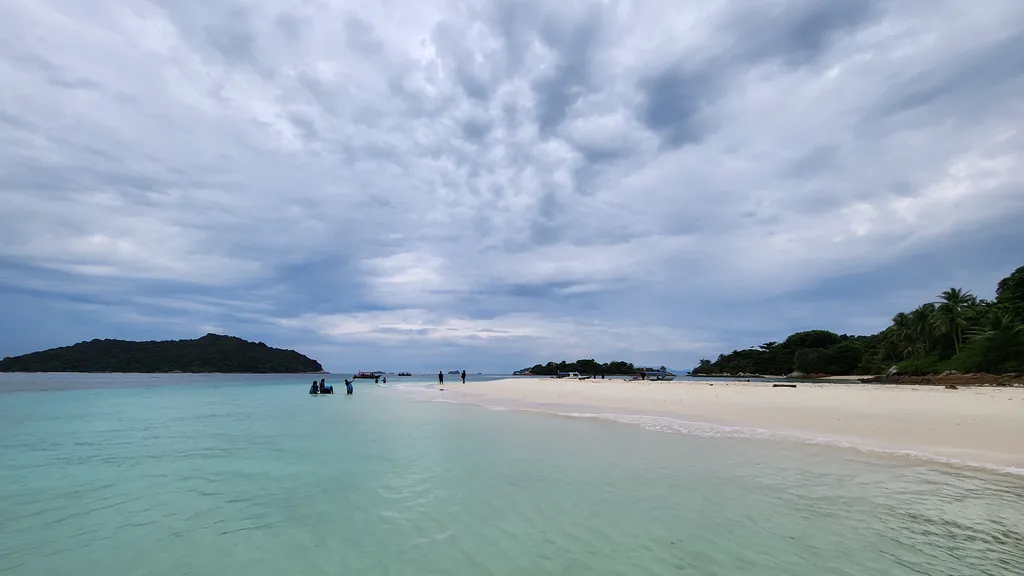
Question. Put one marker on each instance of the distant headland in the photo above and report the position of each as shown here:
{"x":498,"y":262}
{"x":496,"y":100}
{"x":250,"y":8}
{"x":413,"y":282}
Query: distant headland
{"x":213,"y":353}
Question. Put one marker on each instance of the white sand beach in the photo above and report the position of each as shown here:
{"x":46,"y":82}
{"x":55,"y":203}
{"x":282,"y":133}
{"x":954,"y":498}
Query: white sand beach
{"x":982,"y":425}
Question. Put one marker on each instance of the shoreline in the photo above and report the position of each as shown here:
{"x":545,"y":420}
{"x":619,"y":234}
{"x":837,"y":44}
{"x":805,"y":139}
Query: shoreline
{"x":957,"y":379}
{"x":977,"y":426}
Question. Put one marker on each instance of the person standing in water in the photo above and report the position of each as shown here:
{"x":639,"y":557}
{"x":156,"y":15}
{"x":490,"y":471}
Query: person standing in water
{"x":440,"y":378}
{"x":348,"y":386}
{"x":463,"y":376}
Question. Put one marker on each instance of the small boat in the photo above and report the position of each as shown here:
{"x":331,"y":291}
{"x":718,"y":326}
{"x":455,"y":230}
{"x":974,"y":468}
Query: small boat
{"x":370,"y":375}
{"x":571,"y":375}
{"x":405,"y":373}
{"x":655,"y":375}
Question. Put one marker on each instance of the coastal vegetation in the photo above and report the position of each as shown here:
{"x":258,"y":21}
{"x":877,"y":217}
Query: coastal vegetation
{"x":956,"y":332}
{"x":585,"y":366}
{"x":211,"y":353}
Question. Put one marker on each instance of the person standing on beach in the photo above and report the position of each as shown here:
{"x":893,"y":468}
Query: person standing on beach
{"x":440,"y":378}
{"x":463,"y":376}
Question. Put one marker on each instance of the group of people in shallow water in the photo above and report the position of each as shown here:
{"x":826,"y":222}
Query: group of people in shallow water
{"x":322,"y":388}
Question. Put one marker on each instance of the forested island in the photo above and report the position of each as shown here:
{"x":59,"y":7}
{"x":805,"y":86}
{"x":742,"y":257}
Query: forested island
{"x":213,"y":353}
{"x":586,"y":366}
{"x":957,"y":332}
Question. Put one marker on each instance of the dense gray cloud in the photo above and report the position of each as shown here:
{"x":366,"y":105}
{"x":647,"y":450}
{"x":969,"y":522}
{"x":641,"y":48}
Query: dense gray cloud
{"x":501,"y":180}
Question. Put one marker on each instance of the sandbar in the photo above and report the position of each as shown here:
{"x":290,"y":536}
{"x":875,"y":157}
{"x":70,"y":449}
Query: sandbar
{"x":979,"y":425}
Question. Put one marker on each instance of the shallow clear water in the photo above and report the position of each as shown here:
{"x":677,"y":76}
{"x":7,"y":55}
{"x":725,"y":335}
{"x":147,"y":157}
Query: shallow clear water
{"x":250,"y":475}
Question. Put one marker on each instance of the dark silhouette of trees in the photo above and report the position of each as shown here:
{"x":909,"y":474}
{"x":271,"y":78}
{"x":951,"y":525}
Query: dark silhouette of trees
{"x":585,"y":366}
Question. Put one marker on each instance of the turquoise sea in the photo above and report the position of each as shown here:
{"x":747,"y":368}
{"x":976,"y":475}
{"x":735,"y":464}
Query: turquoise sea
{"x":249,"y":475}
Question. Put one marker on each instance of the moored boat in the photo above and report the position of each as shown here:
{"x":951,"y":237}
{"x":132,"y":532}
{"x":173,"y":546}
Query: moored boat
{"x":655,"y":375}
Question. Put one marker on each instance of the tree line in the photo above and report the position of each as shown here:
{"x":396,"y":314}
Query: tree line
{"x":584,"y":366}
{"x":958,"y":331}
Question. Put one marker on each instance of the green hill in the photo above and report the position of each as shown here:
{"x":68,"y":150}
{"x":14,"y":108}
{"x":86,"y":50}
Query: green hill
{"x":211,"y":353}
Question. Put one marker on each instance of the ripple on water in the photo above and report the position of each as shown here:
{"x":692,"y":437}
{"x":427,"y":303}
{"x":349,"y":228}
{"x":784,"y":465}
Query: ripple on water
{"x":669,"y":424}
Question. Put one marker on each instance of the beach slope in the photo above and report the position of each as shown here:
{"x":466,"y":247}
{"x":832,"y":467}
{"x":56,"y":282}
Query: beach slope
{"x":982,"y":425}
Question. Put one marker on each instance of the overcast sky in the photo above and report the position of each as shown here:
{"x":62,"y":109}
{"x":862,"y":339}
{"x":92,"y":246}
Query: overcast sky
{"x":490,"y":184}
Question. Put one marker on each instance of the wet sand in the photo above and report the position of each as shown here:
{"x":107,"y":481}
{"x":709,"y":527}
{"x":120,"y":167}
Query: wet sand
{"x":980,"y":425}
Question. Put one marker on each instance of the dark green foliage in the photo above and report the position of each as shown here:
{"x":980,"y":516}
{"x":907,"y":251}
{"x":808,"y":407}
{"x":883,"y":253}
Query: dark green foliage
{"x":843,"y":358}
{"x":1010,"y":293}
{"x":996,"y":345}
{"x":809,"y":360}
{"x":812,"y":339}
{"x":920,"y":366}
{"x":958,"y":332}
{"x":211,"y":353}
{"x":812,"y":352}
{"x":586,"y":366}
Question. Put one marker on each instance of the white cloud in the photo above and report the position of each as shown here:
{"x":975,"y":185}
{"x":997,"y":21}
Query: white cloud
{"x":497,"y":163}
{"x":525,"y":332}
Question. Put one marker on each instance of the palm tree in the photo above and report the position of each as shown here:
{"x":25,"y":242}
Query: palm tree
{"x":920,"y":332}
{"x":952,"y":313}
{"x":999,"y":342}
{"x":891,"y":345}
{"x":895,"y":338}
{"x":996,"y":324}
{"x":978,"y":307}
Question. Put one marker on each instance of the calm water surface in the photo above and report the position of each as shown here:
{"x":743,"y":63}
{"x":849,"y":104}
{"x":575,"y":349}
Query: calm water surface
{"x":163,"y":475}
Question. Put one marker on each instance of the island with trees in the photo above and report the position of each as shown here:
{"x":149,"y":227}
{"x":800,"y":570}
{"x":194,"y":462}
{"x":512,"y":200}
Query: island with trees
{"x":213,"y":353}
{"x":585,"y":366}
{"x":957,"y":333}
